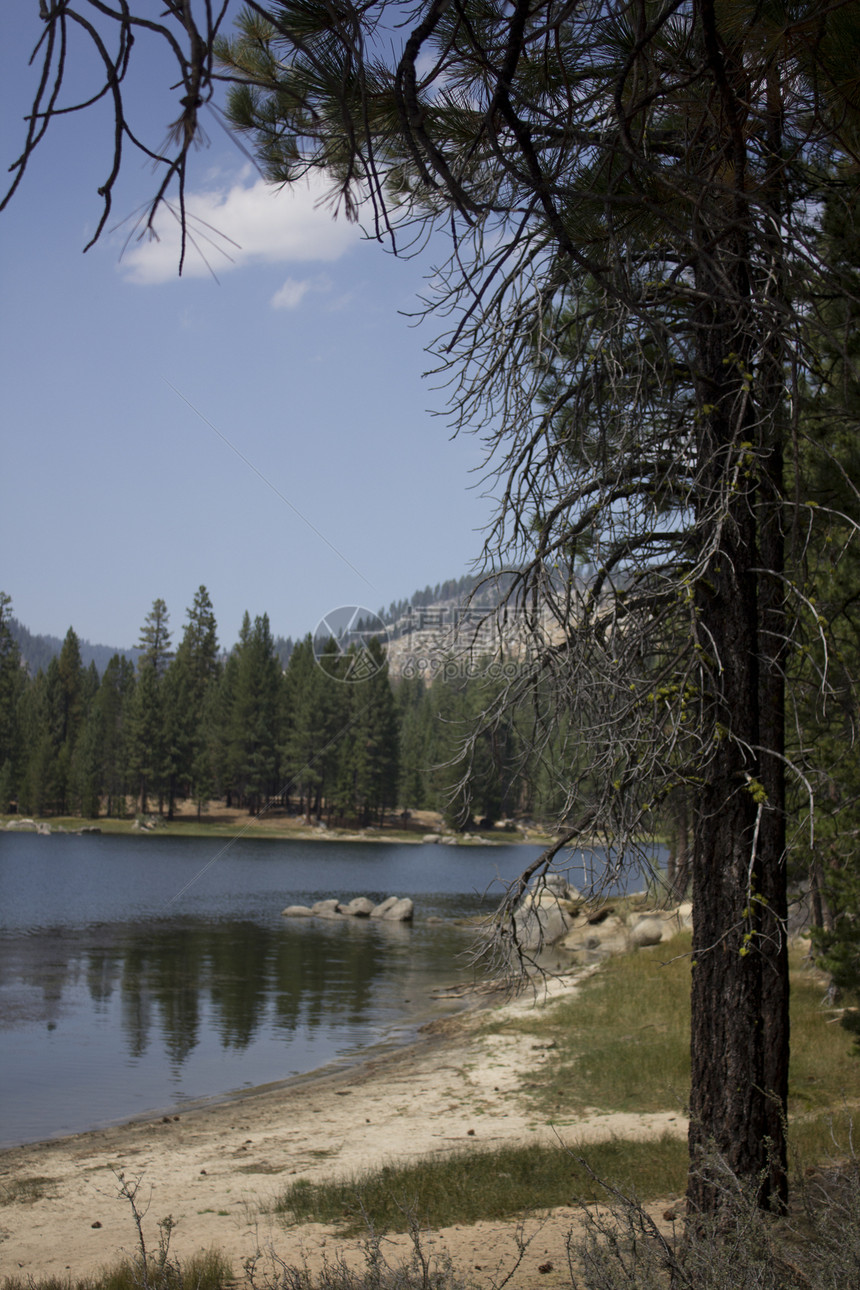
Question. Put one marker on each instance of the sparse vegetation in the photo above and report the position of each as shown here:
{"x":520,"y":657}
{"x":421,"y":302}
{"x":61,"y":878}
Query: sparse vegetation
{"x":421,"y":1271}
{"x":816,"y":1246}
{"x":148,"y":1268}
{"x":209,"y":1271}
{"x":617,"y":1245}
{"x":24,"y":1190}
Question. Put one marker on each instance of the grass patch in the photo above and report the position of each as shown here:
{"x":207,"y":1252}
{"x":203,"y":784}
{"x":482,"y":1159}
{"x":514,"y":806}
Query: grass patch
{"x":209,"y":1271}
{"x":821,"y":1138}
{"x":824,"y":1074}
{"x":24,"y":1190}
{"x":824,"y":1070}
{"x":214,"y":826}
{"x":622,"y":1042}
{"x":466,"y":1187}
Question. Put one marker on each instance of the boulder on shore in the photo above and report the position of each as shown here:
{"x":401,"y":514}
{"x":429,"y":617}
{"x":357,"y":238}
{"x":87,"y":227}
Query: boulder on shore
{"x":541,"y":925}
{"x":596,"y":934}
{"x":596,"y":940}
{"x":546,"y":911}
{"x":29,"y":826}
{"x":648,"y":931}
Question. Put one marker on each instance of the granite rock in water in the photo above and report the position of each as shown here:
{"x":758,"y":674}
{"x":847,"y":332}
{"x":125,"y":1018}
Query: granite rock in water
{"x":396,"y":909}
{"x":401,"y":910}
{"x":360,"y":907}
{"x":326,"y":908}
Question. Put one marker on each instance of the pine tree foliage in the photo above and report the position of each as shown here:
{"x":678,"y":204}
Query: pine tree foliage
{"x":371,"y":771}
{"x":149,"y":734}
{"x":154,"y":642}
{"x":309,"y":737}
{"x":253,"y":720}
{"x":112,"y":714}
{"x":191,"y":681}
{"x":308,"y":729}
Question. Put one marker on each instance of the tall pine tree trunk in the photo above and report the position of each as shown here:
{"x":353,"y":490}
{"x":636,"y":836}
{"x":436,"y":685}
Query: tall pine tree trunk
{"x":727,"y":1104}
{"x":772,"y":945}
{"x":774,"y":633}
{"x":739,"y":1033}
{"x":740,"y":1026}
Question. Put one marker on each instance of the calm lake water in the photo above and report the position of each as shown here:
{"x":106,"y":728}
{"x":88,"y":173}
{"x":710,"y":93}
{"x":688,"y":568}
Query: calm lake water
{"x":138,"y":974}
{"x":141,"y":973}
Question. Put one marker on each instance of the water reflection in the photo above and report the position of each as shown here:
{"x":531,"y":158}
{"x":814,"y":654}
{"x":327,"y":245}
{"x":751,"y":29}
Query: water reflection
{"x":238,"y":974}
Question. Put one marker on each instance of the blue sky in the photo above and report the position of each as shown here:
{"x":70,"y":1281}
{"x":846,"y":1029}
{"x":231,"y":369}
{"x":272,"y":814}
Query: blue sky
{"x":116,"y":488}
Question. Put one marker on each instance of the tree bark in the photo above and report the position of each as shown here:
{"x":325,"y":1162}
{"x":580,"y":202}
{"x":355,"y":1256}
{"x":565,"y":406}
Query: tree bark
{"x":739,"y":1034}
{"x":728,"y":1116}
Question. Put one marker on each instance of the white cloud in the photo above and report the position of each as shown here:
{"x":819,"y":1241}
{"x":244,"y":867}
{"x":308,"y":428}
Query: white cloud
{"x":240,"y":225}
{"x":290,"y":295}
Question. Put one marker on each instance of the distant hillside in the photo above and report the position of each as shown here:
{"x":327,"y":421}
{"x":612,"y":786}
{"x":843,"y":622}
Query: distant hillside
{"x":480,"y":593}
{"x":455,"y":620}
{"x":402,"y":618}
{"x":37,"y":651}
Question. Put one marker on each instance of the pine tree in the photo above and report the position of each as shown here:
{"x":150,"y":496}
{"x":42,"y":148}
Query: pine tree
{"x":66,"y":697}
{"x":148,"y":731}
{"x":831,"y":466}
{"x":253,"y":722}
{"x":307,"y":732}
{"x":146,"y":736}
{"x":413,"y":721}
{"x":113,"y":713}
{"x":38,"y":784}
{"x":87,"y":758}
{"x":12,"y":683}
{"x":373,"y":740}
{"x":155,"y":638}
{"x":193,"y":673}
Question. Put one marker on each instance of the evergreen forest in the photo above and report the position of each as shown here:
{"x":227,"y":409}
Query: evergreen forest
{"x":190,"y":722}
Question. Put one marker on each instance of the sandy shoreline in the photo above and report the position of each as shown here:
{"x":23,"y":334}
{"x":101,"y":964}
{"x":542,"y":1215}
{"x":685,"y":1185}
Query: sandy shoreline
{"x":217,"y":1168}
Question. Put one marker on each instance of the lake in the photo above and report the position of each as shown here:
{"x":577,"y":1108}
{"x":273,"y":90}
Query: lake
{"x":139,"y":974}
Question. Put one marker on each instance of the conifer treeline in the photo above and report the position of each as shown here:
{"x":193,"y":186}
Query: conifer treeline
{"x":192,"y":725}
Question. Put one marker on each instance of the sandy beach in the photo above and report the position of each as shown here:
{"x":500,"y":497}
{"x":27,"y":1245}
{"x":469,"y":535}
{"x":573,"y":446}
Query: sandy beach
{"x":216,"y":1169}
